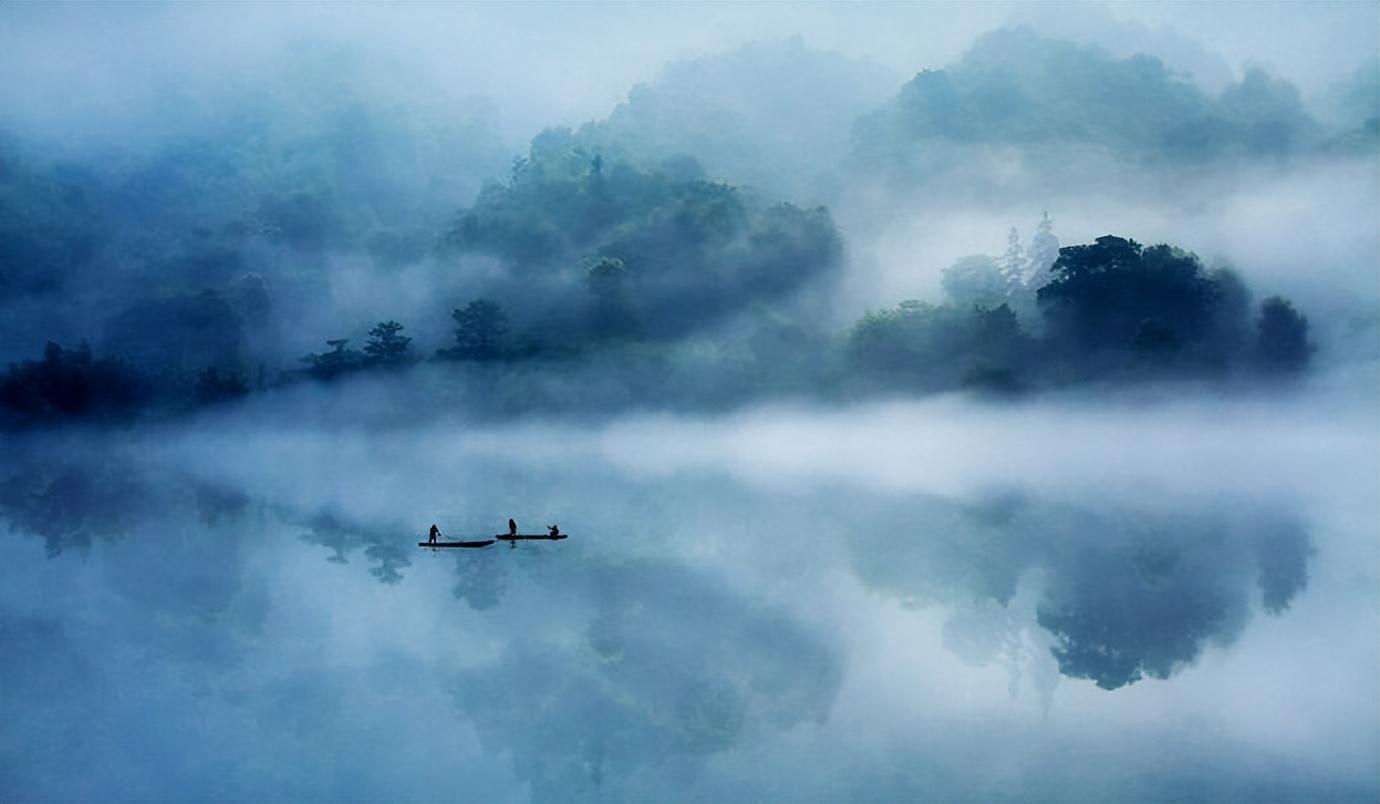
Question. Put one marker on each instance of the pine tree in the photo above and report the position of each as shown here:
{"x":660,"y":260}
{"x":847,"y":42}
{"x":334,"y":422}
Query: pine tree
{"x":1044,"y":251}
{"x":385,"y":344}
{"x":1012,"y":263}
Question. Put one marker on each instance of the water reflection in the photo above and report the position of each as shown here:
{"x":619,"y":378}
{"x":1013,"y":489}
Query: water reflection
{"x":607,"y":666}
{"x":1125,"y":594}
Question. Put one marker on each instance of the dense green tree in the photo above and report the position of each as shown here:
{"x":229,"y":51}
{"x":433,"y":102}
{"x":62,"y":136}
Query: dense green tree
{"x":694,"y":251}
{"x":328,"y":365}
{"x":975,"y":280}
{"x":70,"y":383}
{"x":214,"y":385}
{"x":1014,"y":87}
{"x":1101,"y":295}
{"x":1282,"y":336}
{"x":387,"y":344}
{"x":480,"y":330}
{"x":919,"y":345}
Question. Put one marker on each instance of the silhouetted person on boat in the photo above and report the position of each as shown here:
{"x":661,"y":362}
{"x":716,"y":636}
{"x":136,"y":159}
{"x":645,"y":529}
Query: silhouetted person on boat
{"x":554,"y":530}
{"x":512,"y":528}
{"x":435,"y":533}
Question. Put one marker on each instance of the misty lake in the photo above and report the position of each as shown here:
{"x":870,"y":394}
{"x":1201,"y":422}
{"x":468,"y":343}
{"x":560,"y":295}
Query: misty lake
{"x":910,"y":598}
{"x":942,"y":402}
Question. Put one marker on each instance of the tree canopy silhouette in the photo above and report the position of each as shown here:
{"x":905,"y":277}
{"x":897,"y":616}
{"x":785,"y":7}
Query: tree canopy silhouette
{"x":387,"y":344}
{"x":1117,"y":294}
{"x":1282,"y":336}
{"x":480,"y":329}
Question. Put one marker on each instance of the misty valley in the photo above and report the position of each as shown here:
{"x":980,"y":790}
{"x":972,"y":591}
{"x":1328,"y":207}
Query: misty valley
{"x":990,"y":420}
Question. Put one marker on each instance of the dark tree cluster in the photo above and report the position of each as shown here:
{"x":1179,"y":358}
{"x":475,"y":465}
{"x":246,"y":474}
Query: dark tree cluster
{"x":70,"y":384}
{"x":1110,"y":309}
{"x":1015,"y":87}
{"x":480,"y":329}
{"x":386,"y":347}
{"x":660,"y":255}
{"x":1116,"y":301}
{"x":611,"y":256}
{"x":925,"y":347}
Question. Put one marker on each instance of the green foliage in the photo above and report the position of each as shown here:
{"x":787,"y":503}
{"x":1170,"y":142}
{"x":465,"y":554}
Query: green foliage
{"x":1117,"y":306}
{"x":975,"y":280}
{"x":1111,"y":308}
{"x":329,"y":365}
{"x":692,"y":251}
{"x":480,"y":329}
{"x":773,"y":115}
{"x":1282,"y":337}
{"x":213,"y":385}
{"x":923,"y":346}
{"x":71,"y":383}
{"x":1014,"y":87}
{"x":1115,"y":294}
{"x":387,"y":344}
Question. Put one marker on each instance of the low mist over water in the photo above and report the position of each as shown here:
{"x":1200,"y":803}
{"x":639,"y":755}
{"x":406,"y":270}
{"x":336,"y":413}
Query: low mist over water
{"x":940,"y":403}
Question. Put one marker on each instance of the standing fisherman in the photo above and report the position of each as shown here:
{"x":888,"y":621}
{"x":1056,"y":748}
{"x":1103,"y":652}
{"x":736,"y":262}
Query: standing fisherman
{"x":435,"y":533}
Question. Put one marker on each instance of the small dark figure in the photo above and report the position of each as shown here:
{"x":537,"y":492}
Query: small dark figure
{"x":512,"y":528}
{"x":554,"y":529}
{"x":435,"y":533}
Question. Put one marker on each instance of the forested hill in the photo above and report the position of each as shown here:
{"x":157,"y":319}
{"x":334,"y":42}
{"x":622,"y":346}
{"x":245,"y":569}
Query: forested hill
{"x":325,"y":230}
{"x":1061,"y":107}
